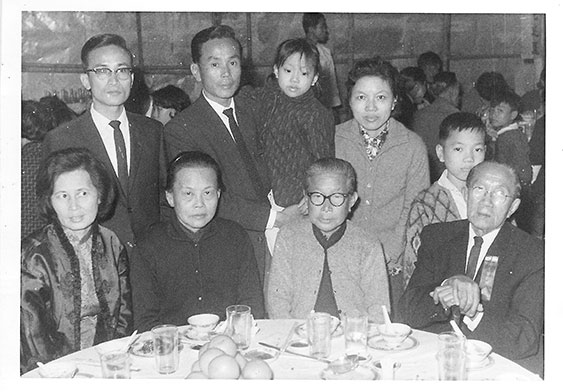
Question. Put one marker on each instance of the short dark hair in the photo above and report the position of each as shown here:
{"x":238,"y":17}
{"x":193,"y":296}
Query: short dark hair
{"x":36,"y":120}
{"x":489,"y":84}
{"x":100,"y":41}
{"x":461,"y":121}
{"x":311,"y":19}
{"x":191,"y":159}
{"x":213,"y":32}
{"x":303,"y":46}
{"x":374,"y":66}
{"x":507,"y":96}
{"x":429,"y":58}
{"x":442,"y":81}
{"x":483,"y":165}
{"x":415,"y":73}
{"x":68,"y":160}
{"x":334,"y":166}
{"x":59,"y":110}
{"x":171,"y":97}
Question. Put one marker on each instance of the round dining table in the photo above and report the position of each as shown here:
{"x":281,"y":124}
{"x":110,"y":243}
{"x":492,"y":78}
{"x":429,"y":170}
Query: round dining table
{"x":415,"y":359}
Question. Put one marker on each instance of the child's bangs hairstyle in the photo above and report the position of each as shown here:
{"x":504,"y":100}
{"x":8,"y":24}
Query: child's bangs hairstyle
{"x":304,"y":46}
{"x":461,"y":121}
{"x":192,"y":159}
{"x":332,"y":166}
{"x":510,"y":98}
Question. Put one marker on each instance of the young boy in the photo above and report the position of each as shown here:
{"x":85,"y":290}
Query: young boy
{"x":325,"y":263}
{"x":511,"y":146}
{"x":461,"y":146}
{"x":194,"y":262}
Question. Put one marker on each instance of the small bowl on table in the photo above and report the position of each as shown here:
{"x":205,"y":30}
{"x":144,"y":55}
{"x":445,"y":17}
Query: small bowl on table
{"x":477,"y":351}
{"x":58,"y":370}
{"x":394,"y":334}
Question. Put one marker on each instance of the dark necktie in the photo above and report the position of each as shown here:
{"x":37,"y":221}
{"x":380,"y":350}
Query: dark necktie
{"x":474,"y":257}
{"x":121,"y":154}
{"x":244,"y":153}
{"x":325,"y":298}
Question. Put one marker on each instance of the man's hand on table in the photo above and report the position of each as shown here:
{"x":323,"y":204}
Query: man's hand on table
{"x":458,"y":290}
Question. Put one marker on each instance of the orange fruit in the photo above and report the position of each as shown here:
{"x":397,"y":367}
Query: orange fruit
{"x":224,"y":367}
{"x":257,"y":369}
{"x":225,"y":343}
{"x":209,"y":355}
{"x":194,"y":375}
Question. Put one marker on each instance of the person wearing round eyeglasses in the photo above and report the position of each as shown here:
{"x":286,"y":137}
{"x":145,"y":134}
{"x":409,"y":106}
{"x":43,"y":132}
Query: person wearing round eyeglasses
{"x":130,"y":145}
{"x":326,"y":263}
{"x":485,"y":267}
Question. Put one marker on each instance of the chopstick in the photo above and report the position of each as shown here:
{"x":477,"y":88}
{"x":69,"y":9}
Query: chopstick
{"x":287,"y":339}
{"x":94,"y":363}
{"x":294,"y":353}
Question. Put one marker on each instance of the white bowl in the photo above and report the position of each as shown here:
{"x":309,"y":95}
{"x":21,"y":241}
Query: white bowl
{"x":395,"y":334}
{"x":204,"y":322}
{"x":477,"y":351}
{"x":58,"y":370}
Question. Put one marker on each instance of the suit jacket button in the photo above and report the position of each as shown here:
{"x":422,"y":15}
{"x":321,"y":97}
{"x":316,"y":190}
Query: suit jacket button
{"x":129,"y":210}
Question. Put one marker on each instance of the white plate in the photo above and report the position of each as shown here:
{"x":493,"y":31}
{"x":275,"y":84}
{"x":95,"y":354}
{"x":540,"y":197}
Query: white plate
{"x":301,"y":329}
{"x":480,"y":365}
{"x":192,"y":333}
{"x":359,"y":373}
{"x":378,"y":343}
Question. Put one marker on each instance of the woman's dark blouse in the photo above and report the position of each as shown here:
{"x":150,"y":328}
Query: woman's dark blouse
{"x":174,"y":277}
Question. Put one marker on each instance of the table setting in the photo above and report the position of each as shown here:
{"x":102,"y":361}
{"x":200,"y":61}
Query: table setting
{"x":322,"y":347}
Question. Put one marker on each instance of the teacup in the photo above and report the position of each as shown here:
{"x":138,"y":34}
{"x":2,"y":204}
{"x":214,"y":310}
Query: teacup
{"x":394,"y":334}
{"x":477,"y":351}
{"x":204,"y":322}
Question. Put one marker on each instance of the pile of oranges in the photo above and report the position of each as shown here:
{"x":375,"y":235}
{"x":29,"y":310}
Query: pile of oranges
{"x":219,"y":359}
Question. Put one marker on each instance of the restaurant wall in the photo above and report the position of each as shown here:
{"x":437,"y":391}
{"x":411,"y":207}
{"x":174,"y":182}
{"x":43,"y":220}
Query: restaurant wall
{"x":513,"y":44}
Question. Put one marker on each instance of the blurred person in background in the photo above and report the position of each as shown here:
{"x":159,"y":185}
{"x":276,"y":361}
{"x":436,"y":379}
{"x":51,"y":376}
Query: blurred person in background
{"x":167,"y":101}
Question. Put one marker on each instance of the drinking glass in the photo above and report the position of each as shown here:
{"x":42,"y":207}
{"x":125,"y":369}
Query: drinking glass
{"x":239,"y":324}
{"x":319,"y":334}
{"x":165,"y":342}
{"x":451,"y":365}
{"x":115,"y":364}
{"x":451,"y":340}
{"x":356,"y":333}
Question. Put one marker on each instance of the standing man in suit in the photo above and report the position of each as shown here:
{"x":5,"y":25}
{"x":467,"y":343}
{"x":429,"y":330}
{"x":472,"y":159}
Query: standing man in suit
{"x":222,"y":126}
{"x":489,"y":269}
{"x":130,"y":145}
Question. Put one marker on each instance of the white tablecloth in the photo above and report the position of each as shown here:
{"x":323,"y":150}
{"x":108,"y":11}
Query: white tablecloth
{"x":417,"y":363}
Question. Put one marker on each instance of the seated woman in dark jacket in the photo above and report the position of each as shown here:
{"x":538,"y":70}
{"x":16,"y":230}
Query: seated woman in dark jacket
{"x":75,"y":291}
{"x":195,"y":262}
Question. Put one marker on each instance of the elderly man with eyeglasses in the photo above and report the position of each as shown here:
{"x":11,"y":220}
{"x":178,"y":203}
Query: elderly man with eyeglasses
{"x":130,"y":145}
{"x":484,"y":270}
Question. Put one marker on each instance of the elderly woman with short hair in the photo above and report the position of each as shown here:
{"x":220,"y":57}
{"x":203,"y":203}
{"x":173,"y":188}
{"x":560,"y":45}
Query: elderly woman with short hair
{"x":75,"y":289}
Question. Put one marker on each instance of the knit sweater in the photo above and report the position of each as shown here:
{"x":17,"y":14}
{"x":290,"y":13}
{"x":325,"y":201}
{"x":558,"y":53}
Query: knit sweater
{"x":292,"y":134}
{"x":387,"y":185}
{"x":432,"y":205}
{"x":357,"y":266}
{"x":173,"y":277}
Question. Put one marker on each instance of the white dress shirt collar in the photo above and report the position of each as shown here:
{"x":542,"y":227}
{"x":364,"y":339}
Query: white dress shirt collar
{"x":457,"y":196}
{"x":106,"y":133}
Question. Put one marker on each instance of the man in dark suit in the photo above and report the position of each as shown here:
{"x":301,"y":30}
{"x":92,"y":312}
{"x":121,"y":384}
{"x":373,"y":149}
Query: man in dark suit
{"x":222,"y":126}
{"x":499,"y":287}
{"x":130,"y":145}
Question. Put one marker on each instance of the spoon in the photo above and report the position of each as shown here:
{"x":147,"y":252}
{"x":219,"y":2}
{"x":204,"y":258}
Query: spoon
{"x":386,"y":318}
{"x":456,"y":328}
{"x":130,"y":341}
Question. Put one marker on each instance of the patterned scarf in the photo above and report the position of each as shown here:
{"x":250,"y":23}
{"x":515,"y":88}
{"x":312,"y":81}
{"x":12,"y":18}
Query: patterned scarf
{"x":98,"y":261}
{"x":374,"y":144}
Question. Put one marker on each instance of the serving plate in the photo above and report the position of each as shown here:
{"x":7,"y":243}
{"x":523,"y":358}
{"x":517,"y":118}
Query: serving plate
{"x":378,"y":343}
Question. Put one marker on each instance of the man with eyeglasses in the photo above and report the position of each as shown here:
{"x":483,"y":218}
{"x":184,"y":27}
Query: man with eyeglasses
{"x":130,"y":145}
{"x":483,"y":270}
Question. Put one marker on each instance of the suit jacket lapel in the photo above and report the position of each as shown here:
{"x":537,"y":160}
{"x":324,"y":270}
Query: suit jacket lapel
{"x":136,"y":151}
{"x":504,"y":249}
{"x":93,"y":140}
